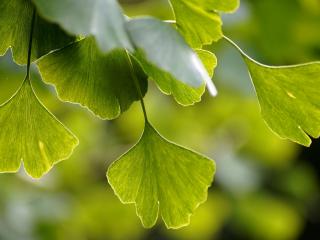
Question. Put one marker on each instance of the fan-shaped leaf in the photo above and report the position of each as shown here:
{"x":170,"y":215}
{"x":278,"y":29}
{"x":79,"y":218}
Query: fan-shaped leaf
{"x":161,"y":177}
{"x":15,"y":27}
{"x":101,"y":82}
{"x":167,"y":50}
{"x":197,"y":21}
{"x":289,"y":99}
{"x":31,"y":134}
{"x":182,"y":93}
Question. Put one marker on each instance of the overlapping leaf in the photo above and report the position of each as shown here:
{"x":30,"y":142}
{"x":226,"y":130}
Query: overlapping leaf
{"x":182,"y":93}
{"x":289,"y":99}
{"x":101,"y":82}
{"x":198,"y":25}
{"x":160,"y":177}
{"x":31,"y":134}
{"x":101,"y":18}
{"x":198,"y":20}
{"x":15,"y":27}
{"x":166,"y":49}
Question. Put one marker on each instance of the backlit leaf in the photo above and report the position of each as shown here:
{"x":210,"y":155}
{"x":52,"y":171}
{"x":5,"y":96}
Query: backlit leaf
{"x":167,"y":50}
{"x":101,"y":18}
{"x":182,"y":93}
{"x":160,"y":177}
{"x":102,"y":82}
{"x":197,"y":21}
{"x":289,"y":99}
{"x":31,"y":134}
{"x":228,"y":6}
{"x":15,"y":27}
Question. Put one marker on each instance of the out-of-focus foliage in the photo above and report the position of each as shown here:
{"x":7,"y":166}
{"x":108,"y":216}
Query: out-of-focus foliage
{"x":264,"y":188}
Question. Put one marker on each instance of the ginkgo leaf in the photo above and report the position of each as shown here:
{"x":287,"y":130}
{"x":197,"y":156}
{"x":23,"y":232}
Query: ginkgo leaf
{"x":15,"y":27}
{"x":101,"y":82}
{"x":198,"y":21}
{"x":100,"y":18}
{"x":30,"y":133}
{"x":166,"y":49}
{"x":182,"y":93}
{"x":227,"y":6}
{"x":289,"y":99}
{"x":160,"y":177}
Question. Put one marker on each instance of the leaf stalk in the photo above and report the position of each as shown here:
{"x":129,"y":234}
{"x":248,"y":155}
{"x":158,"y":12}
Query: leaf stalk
{"x":136,"y":83}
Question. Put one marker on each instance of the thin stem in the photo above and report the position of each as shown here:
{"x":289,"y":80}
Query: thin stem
{"x":136,"y":83}
{"x":246,"y":56}
{"x":30,"y":44}
{"x":235,"y":46}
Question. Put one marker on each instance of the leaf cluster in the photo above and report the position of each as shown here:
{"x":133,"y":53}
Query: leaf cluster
{"x":99,"y":58}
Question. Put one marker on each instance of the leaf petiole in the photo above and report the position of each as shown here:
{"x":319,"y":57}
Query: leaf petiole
{"x":136,"y":83}
{"x":30,"y":44}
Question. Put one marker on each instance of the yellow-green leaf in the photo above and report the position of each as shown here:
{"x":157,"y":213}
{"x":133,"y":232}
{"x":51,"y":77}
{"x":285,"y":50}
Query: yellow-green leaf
{"x":197,"y":21}
{"x":101,"y":82}
{"x":289,"y":99}
{"x":160,"y":177}
{"x":30,"y":133}
{"x":166,"y":49}
{"x":15,"y":27}
{"x":182,"y":93}
{"x":227,"y":6}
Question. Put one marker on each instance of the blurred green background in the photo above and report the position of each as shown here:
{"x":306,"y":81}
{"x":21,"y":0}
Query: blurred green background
{"x":265,"y":188}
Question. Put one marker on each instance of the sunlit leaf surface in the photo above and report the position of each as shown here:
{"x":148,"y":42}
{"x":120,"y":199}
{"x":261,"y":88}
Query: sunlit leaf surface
{"x":160,"y":177}
{"x":30,"y":133}
{"x":182,"y":93}
{"x":289,"y":99}
{"x":166,"y":49}
{"x":15,"y":27}
{"x":101,"y":82}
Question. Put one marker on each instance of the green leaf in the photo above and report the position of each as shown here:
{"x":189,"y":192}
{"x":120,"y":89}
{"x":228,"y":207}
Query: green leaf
{"x":289,"y":99}
{"x":100,"y":18}
{"x":167,"y":50}
{"x":197,"y":21}
{"x":29,"y":132}
{"x":101,"y":82}
{"x":161,"y":177}
{"x":227,"y":6}
{"x":182,"y":93}
{"x":209,"y":60}
{"x":15,"y":27}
